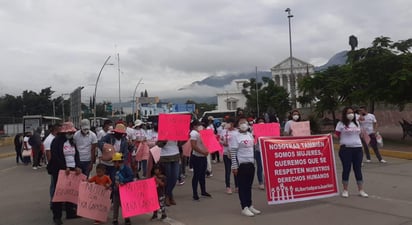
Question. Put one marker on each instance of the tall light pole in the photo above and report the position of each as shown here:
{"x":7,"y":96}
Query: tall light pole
{"x":134,"y":99}
{"x":63,"y":105}
{"x":95,"y":89}
{"x":257,"y":94}
{"x":292,"y":80}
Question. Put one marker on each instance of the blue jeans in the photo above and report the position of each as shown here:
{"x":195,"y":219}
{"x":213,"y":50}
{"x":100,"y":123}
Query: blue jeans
{"x":84,"y":166}
{"x":199,"y":174}
{"x":172,"y":174}
{"x":228,"y":171}
{"x":259,"y":168}
{"x":349,"y":157}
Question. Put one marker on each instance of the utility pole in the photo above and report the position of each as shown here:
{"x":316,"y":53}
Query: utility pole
{"x":292,"y":78}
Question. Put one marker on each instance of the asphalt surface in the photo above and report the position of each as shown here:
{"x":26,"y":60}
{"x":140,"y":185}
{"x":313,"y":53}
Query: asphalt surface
{"x":24,"y":200}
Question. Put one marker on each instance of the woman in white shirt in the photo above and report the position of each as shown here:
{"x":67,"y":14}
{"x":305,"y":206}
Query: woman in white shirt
{"x":350,"y":152}
{"x":225,"y":137}
{"x":293,"y":117}
{"x":242,"y":153}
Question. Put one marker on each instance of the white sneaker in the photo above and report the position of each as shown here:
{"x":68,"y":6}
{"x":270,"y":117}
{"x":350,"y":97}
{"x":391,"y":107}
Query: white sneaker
{"x":383,"y":161}
{"x":368,"y":160}
{"x":229,"y":191}
{"x":247,"y":212}
{"x":35,"y":167}
{"x":345,"y":194}
{"x":254,"y":211}
{"x":261,"y":187}
{"x":363,"y":194}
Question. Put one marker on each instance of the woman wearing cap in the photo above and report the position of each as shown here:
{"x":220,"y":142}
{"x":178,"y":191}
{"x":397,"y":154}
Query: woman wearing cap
{"x":117,"y":138}
{"x":64,"y":156}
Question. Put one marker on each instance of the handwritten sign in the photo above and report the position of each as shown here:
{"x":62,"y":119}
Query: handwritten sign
{"x":67,"y":187}
{"x":210,"y":141}
{"x":298,"y":168}
{"x":174,"y":127}
{"x":266,"y":129}
{"x":94,"y":201}
{"x":156,"y":153}
{"x":139,"y":197}
{"x":187,"y":149}
{"x":300,"y":128}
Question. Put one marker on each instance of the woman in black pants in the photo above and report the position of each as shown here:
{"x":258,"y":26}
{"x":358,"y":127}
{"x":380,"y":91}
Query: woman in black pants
{"x":199,"y":161}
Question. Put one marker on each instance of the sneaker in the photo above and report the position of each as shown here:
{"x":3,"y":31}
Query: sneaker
{"x":261,"y":187}
{"x":229,"y":191}
{"x":383,"y":161}
{"x":254,"y":211}
{"x":195,"y":198}
{"x":206,"y":195}
{"x":236,"y":190}
{"x":368,"y":160}
{"x":35,"y":167}
{"x":57,"y":221}
{"x":345,"y":194}
{"x":127,"y":221}
{"x":247,"y":212}
{"x":96,"y":222}
{"x":172,"y":201}
{"x":181,"y":182}
{"x":214,"y":161}
{"x":163,"y":217}
{"x":363,"y":194}
{"x":191,"y":169}
{"x":154,"y":217}
{"x":39,"y":166}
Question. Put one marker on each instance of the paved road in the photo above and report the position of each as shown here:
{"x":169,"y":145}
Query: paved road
{"x":24,"y":200}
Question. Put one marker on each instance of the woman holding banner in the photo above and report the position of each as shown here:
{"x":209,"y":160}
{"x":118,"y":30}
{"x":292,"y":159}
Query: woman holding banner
{"x":241,"y":151}
{"x":293,"y":117}
{"x":350,"y":152}
{"x":225,"y":136}
{"x":64,"y":156}
{"x":198,"y":160}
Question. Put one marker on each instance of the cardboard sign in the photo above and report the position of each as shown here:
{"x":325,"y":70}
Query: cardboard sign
{"x":174,"y":127}
{"x":67,"y":187}
{"x":298,"y":169}
{"x":139,"y":197}
{"x":300,"y":128}
{"x":210,"y":141}
{"x":266,"y":129}
{"x":187,"y":149}
{"x":94,"y":201}
{"x":156,"y":153}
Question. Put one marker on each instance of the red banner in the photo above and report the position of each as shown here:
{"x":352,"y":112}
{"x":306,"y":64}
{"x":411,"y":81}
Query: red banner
{"x":139,"y":197}
{"x":210,"y":141}
{"x":266,"y":130}
{"x":174,"y":127}
{"x":298,"y":168}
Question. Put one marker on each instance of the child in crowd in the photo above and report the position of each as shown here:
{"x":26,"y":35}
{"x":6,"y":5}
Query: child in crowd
{"x":101,"y":179}
{"x":123,"y":175}
{"x":158,"y":174}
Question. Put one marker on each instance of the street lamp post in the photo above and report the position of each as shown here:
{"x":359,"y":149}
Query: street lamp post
{"x":292,"y":80}
{"x":134,"y":99}
{"x":95,"y":90}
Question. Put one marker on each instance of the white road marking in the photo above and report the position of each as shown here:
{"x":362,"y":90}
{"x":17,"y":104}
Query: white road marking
{"x":7,"y":169}
{"x":172,"y":221}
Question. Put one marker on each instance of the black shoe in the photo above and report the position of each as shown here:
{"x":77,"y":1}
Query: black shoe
{"x":57,"y":221}
{"x":127,"y":221}
{"x":154,"y":217}
{"x":163,"y":216}
{"x":72,"y":217}
{"x":115,"y":222}
{"x":196,"y":198}
{"x":206,"y":195}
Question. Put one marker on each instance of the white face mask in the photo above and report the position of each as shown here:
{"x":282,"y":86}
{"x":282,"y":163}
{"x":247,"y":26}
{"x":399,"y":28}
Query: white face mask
{"x":244,"y":127}
{"x":200,"y":128}
{"x":295,"y":117}
{"x":350,"y":116}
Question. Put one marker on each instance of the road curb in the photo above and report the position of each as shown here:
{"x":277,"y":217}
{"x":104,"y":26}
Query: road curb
{"x":7,"y":154}
{"x":389,"y":153}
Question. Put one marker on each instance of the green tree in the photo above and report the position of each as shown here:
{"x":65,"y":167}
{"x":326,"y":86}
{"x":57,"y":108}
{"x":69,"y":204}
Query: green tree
{"x":270,"y":97}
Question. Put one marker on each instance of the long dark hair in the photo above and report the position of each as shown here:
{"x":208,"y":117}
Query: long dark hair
{"x":345,"y":119}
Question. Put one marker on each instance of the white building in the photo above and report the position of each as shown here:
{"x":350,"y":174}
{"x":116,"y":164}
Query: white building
{"x":283,"y":77}
{"x":232,"y":98}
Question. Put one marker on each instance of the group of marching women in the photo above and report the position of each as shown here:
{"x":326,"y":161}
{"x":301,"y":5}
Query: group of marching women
{"x":241,"y":154}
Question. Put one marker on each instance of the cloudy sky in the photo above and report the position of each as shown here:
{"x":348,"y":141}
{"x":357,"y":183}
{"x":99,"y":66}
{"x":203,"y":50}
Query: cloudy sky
{"x":169,"y":44}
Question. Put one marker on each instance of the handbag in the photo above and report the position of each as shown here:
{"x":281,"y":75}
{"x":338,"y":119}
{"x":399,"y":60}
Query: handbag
{"x":26,"y":153}
{"x":107,"y":152}
{"x":379,"y":139}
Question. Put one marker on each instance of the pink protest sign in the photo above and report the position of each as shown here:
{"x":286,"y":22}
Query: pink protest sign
{"x":300,"y":128}
{"x":187,"y":149}
{"x":210,"y":141}
{"x":94,"y":201}
{"x":155,"y":153}
{"x":67,"y":187}
{"x":174,"y":127}
{"x":139,"y":197}
{"x":266,"y":129}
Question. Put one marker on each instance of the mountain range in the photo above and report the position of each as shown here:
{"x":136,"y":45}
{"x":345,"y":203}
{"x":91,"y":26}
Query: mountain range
{"x":214,"y":84}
